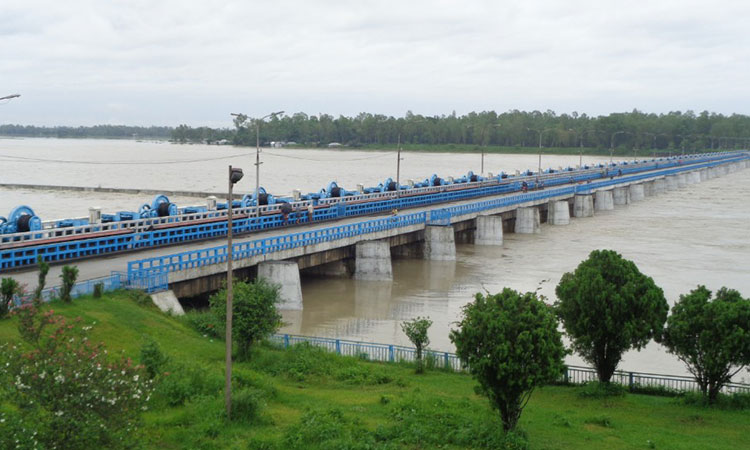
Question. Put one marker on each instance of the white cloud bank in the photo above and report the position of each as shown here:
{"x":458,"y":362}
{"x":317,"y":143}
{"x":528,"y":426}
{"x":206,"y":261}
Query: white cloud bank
{"x":167,"y":62}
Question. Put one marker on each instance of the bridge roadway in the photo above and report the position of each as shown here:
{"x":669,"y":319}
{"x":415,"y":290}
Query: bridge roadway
{"x":102,"y":266}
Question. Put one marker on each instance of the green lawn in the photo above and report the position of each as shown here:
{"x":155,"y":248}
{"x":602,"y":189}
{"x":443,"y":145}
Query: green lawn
{"x":317,"y":400}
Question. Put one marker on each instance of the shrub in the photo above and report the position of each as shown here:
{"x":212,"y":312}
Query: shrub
{"x":182,"y":383}
{"x":510,"y":343}
{"x":607,"y":306}
{"x":69,"y":390}
{"x":247,"y":404}
{"x":98,"y":290}
{"x":597,"y":389}
{"x":68,"y":276}
{"x":42,"y":279}
{"x":9,"y":288}
{"x":205,"y":323}
{"x":416,"y":331}
{"x":153,"y":359}
{"x":254,"y":313}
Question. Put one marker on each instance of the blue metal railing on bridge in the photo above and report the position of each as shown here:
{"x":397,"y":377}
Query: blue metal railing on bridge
{"x":130,"y":239}
{"x":140,"y":271}
{"x":450,"y":361}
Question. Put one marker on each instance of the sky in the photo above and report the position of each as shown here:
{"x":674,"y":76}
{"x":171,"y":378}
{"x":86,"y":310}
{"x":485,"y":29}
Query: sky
{"x":165,"y":62}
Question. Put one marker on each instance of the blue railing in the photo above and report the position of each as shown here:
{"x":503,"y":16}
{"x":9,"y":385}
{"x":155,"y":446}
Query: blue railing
{"x":449,"y":361}
{"x":116,"y":280}
{"x":133,"y":239}
{"x":141,"y":271}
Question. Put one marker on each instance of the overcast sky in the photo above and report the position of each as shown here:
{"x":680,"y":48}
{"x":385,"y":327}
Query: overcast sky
{"x":157,"y":62}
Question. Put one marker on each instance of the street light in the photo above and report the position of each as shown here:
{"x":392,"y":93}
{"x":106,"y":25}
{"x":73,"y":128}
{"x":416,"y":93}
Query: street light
{"x":235,"y":175}
{"x":257,"y":154}
{"x":481,"y":144}
{"x":540,"y":133}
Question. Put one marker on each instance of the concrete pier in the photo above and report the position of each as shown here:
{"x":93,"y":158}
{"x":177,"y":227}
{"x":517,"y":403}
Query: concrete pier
{"x":603,"y":201}
{"x":704,"y":174}
{"x":489,"y":230}
{"x":693,"y":177}
{"x":527,"y":220}
{"x":648,"y":188}
{"x":558,"y":213}
{"x":285,"y":274}
{"x":439,"y":243}
{"x":167,"y":302}
{"x":660,"y":186}
{"x":671,"y":182}
{"x":637,"y":192}
{"x":583,"y":205}
{"x":681,"y":180}
{"x":373,"y":261}
{"x":621,"y":196}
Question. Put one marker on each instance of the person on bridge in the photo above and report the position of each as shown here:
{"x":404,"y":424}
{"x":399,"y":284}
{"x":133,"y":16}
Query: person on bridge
{"x":286,"y":208}
{"x":310,"y":211}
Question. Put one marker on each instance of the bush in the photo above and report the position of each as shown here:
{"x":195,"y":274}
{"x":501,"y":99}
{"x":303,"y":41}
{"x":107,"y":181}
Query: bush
{"x":597,"y":389}
{"x":416,"y":331}
{"x":254,"y":313}
{"x":182,"y":383}
{"x":242,"y":379}
{"x":205,"y":323}
{"x":153,"y":359}
{"x":98,"y":290}
{"x":247,"y":404}
{"x":68,"y":390}
{"x":738,"y":401}
{"x":9,"y":288}
{"x":42,"y":279}
{"x":68,"y":276}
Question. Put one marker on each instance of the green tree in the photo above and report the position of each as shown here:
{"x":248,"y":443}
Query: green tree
{"x":416,"y":331}
{"x":712,"y":337}
{"x":43,"y":270}
{"x":254,"y":314}
{"x":8,"y":289}
{"x":68,"y":276}
{"x":608,"y":306}
{"x":510,"y":343}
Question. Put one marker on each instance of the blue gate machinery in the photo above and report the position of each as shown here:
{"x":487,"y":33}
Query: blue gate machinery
{"x":24,"y":236}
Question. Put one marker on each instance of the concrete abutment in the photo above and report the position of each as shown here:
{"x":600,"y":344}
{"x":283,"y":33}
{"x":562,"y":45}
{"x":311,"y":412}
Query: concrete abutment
{"x":528,"y":220}
{"x":284,"y":274}
{"x":439,"y":243}
{"x":489,"y":230}
{"x":373,"y":261}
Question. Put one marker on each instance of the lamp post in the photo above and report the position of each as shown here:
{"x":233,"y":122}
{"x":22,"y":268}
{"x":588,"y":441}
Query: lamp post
{"x":540,"y":133}
{"x":612,"y":143}
{"x":8,"y":97}
{"x":257,"y":155}
{"x":235,"y":175}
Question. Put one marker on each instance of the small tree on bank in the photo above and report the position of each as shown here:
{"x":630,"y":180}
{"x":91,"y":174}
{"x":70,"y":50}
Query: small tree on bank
{"x":254,"y":315}
{"x":712,"y":337}
{"x":510,"y":343}
{"x":9,"y":287}
{"x":416,"y":331}
{"x":607,"y":306}
{"x":68,"y":276}
{"x":42,"y":280}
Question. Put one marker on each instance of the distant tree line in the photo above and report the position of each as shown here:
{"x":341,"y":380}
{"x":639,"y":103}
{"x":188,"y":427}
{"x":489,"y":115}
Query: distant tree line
{"x":96,"y":131}
{"x":675,"y":130}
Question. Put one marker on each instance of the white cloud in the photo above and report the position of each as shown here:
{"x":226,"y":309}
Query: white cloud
{"x":170,"y":62}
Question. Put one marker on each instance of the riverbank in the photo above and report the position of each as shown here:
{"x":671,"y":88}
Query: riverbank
{"x":306,"y":398}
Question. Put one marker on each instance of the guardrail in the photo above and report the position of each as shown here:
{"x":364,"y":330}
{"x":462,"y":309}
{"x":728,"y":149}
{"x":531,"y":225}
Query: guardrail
{"x":140,"y":270}
{"x":449,"y":361}
{"x":116,"y":280}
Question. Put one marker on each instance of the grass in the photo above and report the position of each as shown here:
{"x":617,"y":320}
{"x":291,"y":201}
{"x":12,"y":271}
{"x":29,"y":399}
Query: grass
{"x":306,"y":398}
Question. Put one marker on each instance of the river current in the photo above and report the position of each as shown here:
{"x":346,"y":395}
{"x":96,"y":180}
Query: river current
{"x":696,"y":235}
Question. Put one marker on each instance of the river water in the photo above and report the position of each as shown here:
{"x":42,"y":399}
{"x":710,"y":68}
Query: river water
{"x":699,"y":234}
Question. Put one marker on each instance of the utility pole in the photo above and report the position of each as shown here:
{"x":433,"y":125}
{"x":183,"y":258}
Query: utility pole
{"x":235,"y":175}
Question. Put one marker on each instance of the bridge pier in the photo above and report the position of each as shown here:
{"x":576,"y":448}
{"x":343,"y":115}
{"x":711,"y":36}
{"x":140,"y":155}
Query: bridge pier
{"x":637,"y":192}
{"x":603,"y":201}
{"x":558,"y":213}
{"x":583,"y":205}
{"x":671,"y":182}
{"x":489,"y":230}
{"x":439,"y":243}
{"x":528,"y":220}
{"x":621,"y":196}
{"x":660,"y":186}
{"x":285,"y":274}
{"x":681,"y":180}
{"x":373,"y":261}
{"x":693,"y":177}
{"x":703,"y":174}
{"x":648,"y":188}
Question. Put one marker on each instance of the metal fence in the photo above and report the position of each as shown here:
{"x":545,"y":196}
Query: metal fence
{"x":116,"y":280}
{"x":449,"y":361}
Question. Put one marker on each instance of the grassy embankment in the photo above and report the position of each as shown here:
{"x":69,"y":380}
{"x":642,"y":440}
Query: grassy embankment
{"x":316,"y":400}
